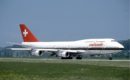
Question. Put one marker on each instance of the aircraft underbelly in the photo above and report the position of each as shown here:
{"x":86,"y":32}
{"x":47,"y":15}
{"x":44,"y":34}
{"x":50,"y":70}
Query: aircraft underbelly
{"x":101,"y":51}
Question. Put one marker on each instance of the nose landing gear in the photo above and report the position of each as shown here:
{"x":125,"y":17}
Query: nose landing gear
{"x":110,"y":57}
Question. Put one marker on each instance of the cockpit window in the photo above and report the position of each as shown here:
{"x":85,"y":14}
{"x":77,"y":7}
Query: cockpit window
{"x":113,"y":40}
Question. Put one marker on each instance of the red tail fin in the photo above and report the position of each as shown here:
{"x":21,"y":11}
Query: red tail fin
{"x":27,"y":34}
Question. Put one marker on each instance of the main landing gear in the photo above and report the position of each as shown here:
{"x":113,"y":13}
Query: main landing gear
{"x":79,"y":57}
{"x":66,"y":57}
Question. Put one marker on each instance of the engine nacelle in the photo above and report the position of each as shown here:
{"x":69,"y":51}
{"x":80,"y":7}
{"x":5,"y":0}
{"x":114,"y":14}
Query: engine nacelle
{"x":63,"y":54}
{"x":37,"y":52}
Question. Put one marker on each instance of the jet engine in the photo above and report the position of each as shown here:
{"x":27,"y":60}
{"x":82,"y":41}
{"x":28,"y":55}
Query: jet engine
{"x":63,"y":54}
{"x":36,"y":52}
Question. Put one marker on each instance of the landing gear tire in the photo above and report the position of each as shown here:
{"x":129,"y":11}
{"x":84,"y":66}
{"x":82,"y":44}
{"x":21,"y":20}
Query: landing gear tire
{"x":63,"y":58}
{"x":79,"y":57}
{"x":110,"y":56}
{"x":66,"y":57}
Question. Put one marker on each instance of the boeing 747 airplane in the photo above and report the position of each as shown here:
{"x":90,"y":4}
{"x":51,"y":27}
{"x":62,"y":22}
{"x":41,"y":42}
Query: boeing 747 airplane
{"x":68,"y":49}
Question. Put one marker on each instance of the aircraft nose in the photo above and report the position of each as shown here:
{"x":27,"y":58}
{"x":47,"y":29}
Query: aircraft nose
{"x":121,"y":46}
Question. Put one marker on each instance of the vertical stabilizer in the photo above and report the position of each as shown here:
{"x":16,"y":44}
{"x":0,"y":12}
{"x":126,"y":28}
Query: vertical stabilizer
{"x":27,"y":34}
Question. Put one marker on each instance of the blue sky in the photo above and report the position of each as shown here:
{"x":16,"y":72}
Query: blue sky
{"x":58,"y":20}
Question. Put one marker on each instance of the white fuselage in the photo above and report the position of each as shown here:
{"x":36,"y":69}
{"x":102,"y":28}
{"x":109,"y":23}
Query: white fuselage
{"x":89,"y":46}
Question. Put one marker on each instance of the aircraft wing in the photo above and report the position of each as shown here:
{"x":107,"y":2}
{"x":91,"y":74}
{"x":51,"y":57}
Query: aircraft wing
{"x":47,"y":50}
{"x":57,"y":52}
{"x":20,"y":49}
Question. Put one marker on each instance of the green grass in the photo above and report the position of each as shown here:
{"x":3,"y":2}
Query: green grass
{"x":61,"y":70}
